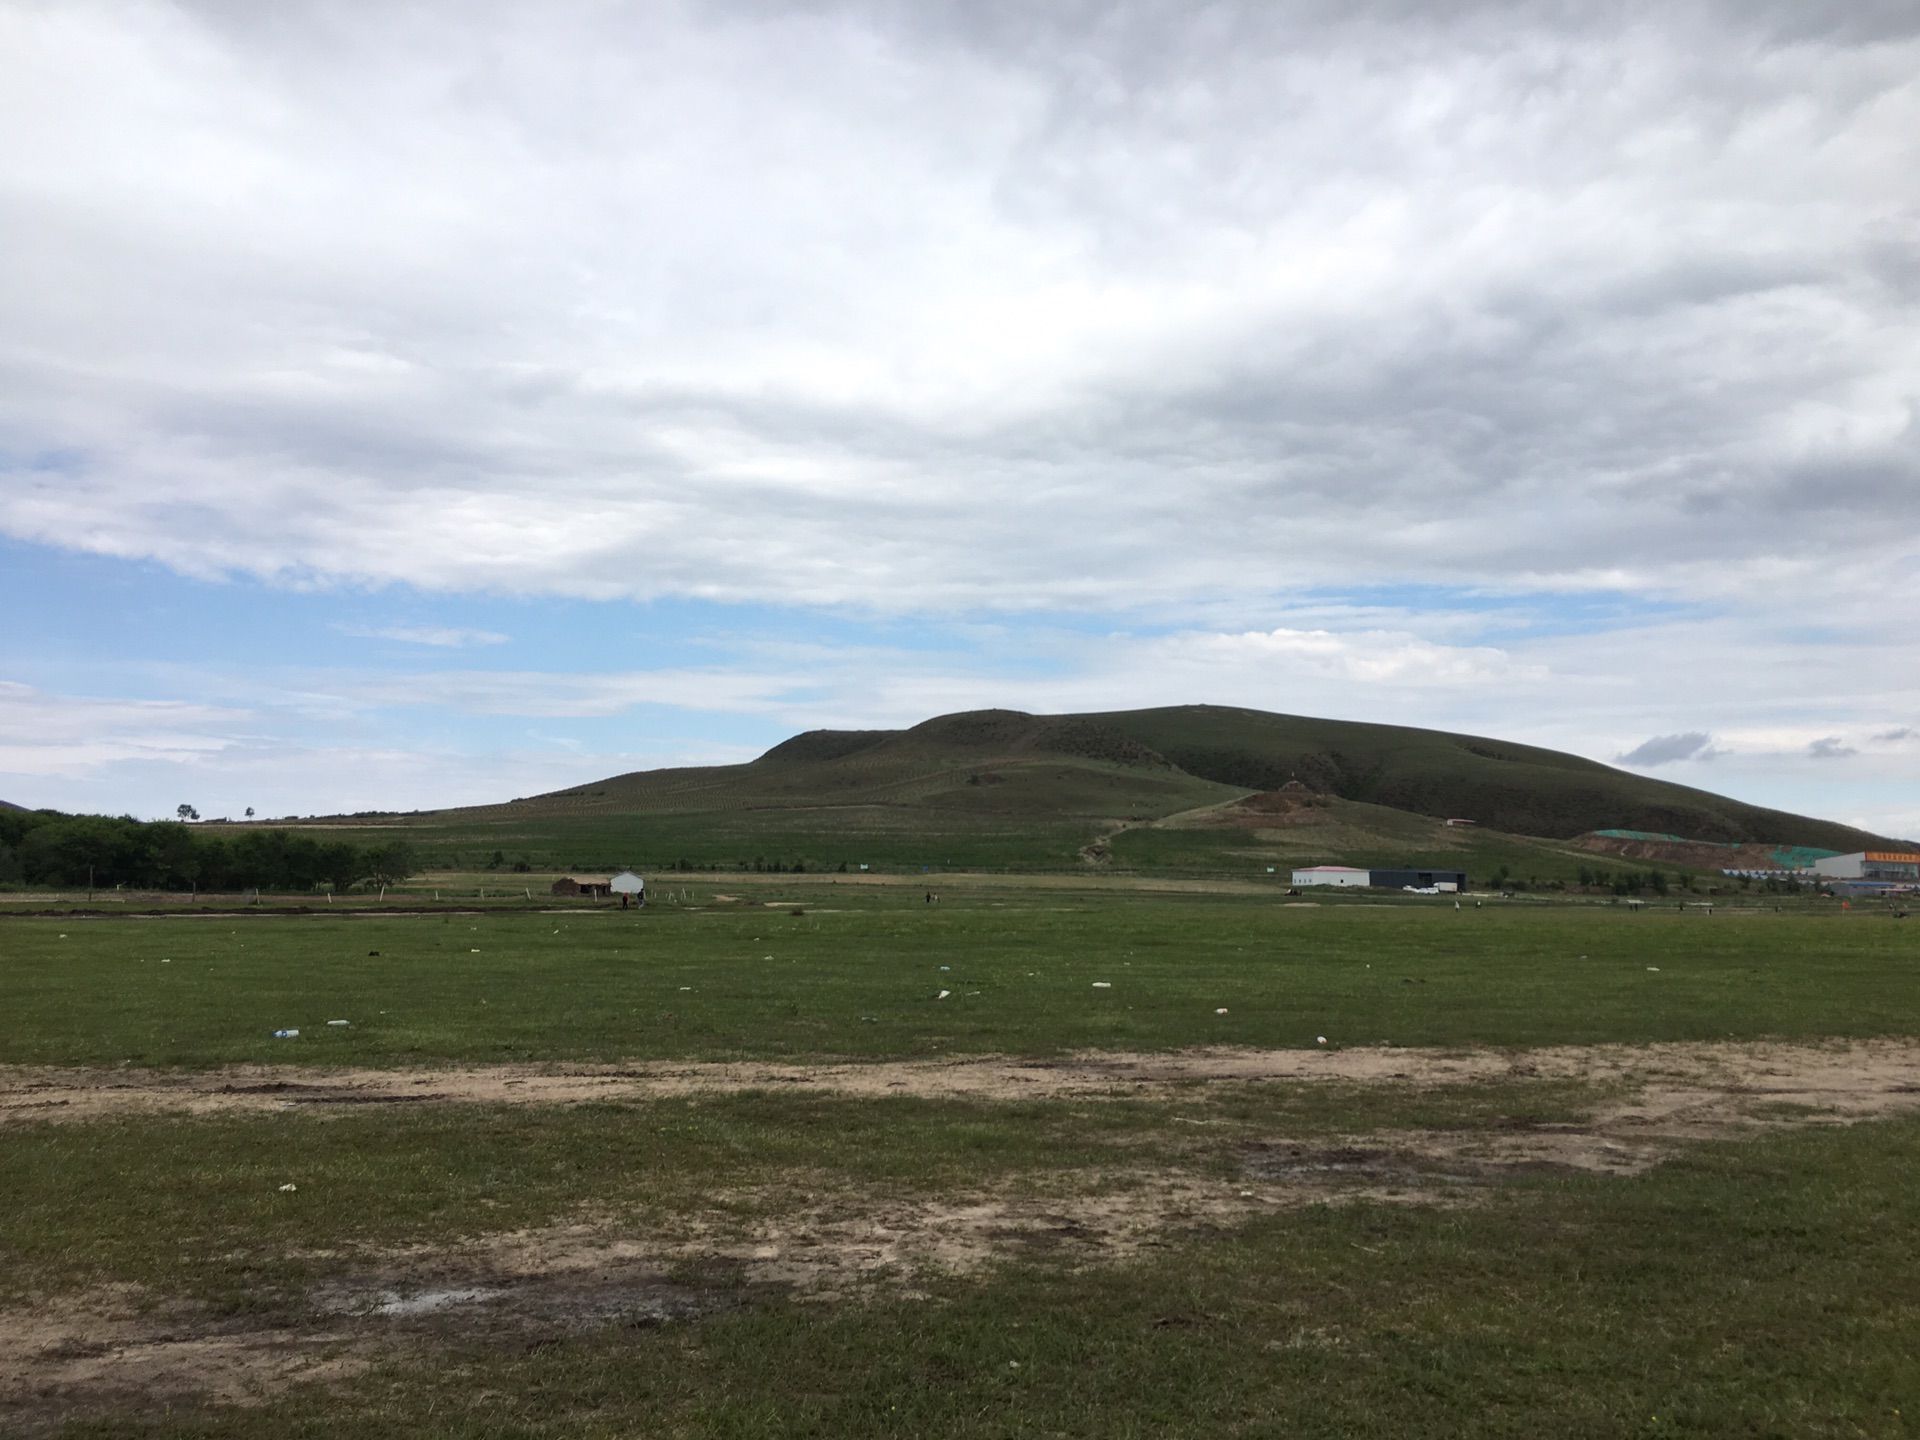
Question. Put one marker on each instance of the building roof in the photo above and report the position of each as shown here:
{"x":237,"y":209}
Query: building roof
{"x":1328,"y":869}
{"x":587,"y":879}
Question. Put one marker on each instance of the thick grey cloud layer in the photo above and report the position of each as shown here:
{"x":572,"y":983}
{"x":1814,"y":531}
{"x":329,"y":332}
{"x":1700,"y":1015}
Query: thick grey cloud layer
{"x":921,"y":306}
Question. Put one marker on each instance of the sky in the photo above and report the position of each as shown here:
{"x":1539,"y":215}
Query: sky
{"x":441,"y":401}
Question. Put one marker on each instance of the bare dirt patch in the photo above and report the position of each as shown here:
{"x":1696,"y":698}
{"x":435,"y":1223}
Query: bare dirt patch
{"x":1686,"y":1090}
{"x":115,"y":1346}
{"x":118,"y":1345}
{"x":816,"y":1239}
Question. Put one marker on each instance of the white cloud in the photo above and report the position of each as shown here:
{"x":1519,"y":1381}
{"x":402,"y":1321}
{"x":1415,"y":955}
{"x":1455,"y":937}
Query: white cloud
{"x":441,"y":636}
{"x":45,"y":735}
{"x":919,"y":308}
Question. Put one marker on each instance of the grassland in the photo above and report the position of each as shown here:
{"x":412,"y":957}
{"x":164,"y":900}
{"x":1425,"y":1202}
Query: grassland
{"x":755,"y":980}
{"x":1693,"y":1215}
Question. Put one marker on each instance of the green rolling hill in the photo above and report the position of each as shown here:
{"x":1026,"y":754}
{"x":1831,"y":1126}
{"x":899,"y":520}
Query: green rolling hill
{"x":1179,"y":788}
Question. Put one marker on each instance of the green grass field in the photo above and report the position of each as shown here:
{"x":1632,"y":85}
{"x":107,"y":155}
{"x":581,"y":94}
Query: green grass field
{"x":1377,"y":1255}
{"x":756,"y":980}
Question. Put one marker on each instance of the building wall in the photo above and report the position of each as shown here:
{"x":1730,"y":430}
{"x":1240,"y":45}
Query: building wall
{"x":1330,"y":877}
{"x":1841,"y":867}
{"x":1895,"y":865}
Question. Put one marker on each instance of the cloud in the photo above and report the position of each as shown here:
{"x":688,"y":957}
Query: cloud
{"x":1830,"y":747}
{"x":1669,"y":749}
{"x":924,"y":308}
{"x":44,"y":735}
{"x":1894,"y":736}
{"x":445,"y":637}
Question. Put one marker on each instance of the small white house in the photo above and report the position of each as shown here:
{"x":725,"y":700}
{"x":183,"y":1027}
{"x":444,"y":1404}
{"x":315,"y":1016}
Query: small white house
{"x":1332,"y":875}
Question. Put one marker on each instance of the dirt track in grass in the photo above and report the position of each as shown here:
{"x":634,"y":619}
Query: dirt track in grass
{"x":1678,"y":1084}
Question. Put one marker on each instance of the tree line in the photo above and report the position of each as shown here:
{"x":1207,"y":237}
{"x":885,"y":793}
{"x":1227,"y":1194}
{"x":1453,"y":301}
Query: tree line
{"x":44,"y":847}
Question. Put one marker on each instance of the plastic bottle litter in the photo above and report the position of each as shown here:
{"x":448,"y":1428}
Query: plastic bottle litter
{"x":1103,"y":985}
{"x":339,"y":1022}
{"x":1221,"y":1011}
{"x":286,"y":1034}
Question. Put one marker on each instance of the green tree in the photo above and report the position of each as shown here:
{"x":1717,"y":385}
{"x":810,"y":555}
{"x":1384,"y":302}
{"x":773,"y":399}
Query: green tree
{"x":395,"y":861}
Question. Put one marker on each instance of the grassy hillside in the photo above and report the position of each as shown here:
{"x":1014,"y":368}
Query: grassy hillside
{"x":1518,"y":788}
{"x":1141,"y":789}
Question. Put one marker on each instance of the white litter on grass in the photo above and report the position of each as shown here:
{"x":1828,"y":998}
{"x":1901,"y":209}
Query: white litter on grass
{"x":473,"y":952}
{"x":339,"y":1022}
{"x":1655,"y":969}
{"x":685,"y":988}
{"x":1321,"y":1038}
{"x":1103,"y":985}
{"x":943,"y":994}
{"x":288,"y":1188}
{"x":1221,"y":1011}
